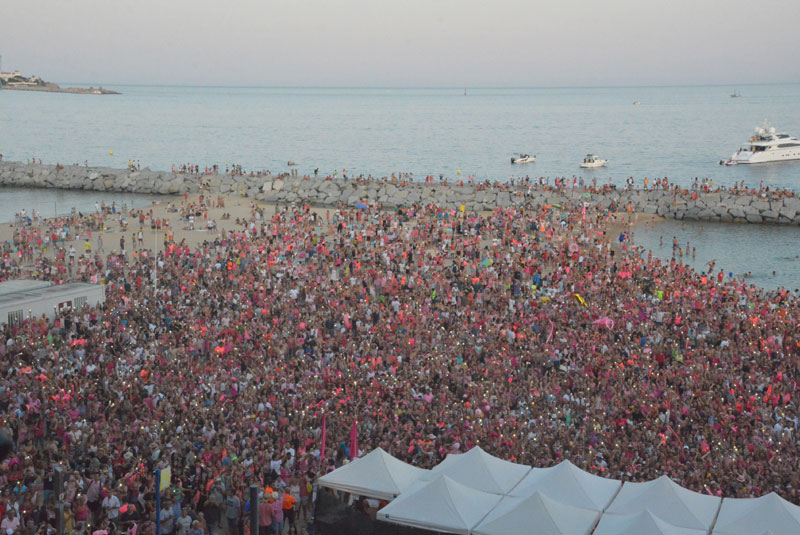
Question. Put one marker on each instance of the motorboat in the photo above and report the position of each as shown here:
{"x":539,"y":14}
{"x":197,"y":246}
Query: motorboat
{"x":767,"y":145}
{"x":736,"y":94}
{"x":523,"y":158}
{"x":592,"y":161}
{"x":636,"y":102}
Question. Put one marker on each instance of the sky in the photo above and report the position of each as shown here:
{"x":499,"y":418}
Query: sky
{"x":403,"y":43}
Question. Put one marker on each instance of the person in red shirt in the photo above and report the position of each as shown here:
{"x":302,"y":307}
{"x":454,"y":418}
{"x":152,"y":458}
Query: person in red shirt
{"x":264,"y":517}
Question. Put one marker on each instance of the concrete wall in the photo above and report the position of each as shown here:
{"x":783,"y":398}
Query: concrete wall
{"x":719,"y":206}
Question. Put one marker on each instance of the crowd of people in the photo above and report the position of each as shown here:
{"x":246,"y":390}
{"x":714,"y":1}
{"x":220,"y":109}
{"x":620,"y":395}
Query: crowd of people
{"x":529,"y":331}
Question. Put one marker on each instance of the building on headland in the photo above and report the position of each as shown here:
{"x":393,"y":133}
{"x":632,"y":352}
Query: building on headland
{"x":16,"y":79}
{"x":23,"y":299}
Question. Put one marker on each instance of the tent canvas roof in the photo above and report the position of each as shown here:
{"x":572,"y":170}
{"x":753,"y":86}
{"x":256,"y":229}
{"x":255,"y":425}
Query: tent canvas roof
{"x":479,"y":470}
{"x":568,"y":484}
{"x":440,"y":505}
{"x":669,"y":501}
{"x":516,"y":515}
{"x":640,"y":524}
{"x":757,"y":515}
{"x":377,"y":475}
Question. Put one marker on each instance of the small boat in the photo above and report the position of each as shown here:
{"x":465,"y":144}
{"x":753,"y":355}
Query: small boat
{"x":523,"y":158}
{"x":636,"y":102}
{"x":592,"y":161}
{"x":735,"y":94}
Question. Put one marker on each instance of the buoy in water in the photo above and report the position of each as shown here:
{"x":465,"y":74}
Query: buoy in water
{"x":111,"y":152}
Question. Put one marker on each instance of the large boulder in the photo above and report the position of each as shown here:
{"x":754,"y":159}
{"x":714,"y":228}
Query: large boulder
{"x":736,"y":212}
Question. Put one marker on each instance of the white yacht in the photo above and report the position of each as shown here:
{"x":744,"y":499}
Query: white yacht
{"x":767,"y":146}
{"x":591,"y":161}
{"x":523,"y":158}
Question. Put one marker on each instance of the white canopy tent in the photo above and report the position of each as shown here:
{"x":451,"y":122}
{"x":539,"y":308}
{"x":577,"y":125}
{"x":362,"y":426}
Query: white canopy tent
{"x":376,"y":475}
{"x":668,"y":501}
{"x":748,"y":516}
{"x":568,"y":484}
{"x":644,"y":523}
{"x":440,"y":505}
{"x":479,"y":470}
{"x":518,"y":515}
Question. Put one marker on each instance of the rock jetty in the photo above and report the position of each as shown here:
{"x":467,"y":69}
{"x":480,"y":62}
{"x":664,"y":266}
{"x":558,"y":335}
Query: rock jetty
{"x":723,"y":206}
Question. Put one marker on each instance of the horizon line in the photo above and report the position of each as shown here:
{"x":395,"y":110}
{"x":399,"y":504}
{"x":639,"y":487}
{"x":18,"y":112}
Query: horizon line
{"x":438,"y":87}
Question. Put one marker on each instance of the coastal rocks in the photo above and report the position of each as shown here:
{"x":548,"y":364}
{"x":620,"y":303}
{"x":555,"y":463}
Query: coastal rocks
{"x":716,"y":206}
{"x":736,"y":212}
{"x":787,"y":212}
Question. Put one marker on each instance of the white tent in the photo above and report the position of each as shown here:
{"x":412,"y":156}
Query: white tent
{"x":669,"y":501}
{"x":440,"y":505}
{"x":376,"y":475}
{"x":518,"y":516}
{"x":770,"y":513}
{"x":479,"y":470}
{"x":644,"y":523}
{"x":568,"y":484}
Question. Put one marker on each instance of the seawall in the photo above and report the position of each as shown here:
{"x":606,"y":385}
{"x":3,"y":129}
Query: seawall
{"x":723,"y":206}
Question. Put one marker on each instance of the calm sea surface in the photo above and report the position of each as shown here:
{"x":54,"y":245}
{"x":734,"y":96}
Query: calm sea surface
{"x":679,"y":132}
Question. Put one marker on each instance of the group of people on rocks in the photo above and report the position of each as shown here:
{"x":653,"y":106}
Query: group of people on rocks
{"x":525,"y":331}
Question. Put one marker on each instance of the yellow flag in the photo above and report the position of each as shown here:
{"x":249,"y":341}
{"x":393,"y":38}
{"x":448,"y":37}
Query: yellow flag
{"x":463,"y":208}
{"x":166,"y":476}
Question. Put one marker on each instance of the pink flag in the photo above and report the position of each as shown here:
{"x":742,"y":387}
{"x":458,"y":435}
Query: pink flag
{"x":354,"y":440}
{"x":324,"y":437}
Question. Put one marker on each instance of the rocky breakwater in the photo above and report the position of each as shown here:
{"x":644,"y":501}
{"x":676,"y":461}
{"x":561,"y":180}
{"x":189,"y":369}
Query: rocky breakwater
{"x":722,"y":206}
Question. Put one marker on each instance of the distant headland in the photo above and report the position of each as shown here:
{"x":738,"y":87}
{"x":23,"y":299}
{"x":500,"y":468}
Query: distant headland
{"x":16,"y":81}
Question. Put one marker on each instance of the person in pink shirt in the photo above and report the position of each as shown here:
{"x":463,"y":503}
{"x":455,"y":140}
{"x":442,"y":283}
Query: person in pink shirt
{"x":265,"y":515}
{"x":277,"y":513}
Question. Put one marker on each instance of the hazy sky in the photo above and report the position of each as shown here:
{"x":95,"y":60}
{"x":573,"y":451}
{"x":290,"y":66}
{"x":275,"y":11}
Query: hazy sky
{"x":451,"y":43}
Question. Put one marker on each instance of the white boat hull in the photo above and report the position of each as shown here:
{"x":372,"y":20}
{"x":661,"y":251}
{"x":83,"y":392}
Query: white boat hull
{"x":523,"y":160}
{"x":592,"y":165}
{"x":777,"y":155}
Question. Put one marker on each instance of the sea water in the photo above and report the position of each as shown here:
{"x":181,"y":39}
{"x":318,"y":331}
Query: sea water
{"x":678,"y":132}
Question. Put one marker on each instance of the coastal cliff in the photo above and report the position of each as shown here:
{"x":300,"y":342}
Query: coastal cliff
{"x":722,"y":206}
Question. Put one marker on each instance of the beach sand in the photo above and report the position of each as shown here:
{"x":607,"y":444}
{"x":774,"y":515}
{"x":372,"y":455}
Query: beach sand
{"x":620,"y":222}
{"x":235,"y":207}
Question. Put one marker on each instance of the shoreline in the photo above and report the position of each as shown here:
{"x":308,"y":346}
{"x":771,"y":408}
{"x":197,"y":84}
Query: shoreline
{"x":726,"y":206}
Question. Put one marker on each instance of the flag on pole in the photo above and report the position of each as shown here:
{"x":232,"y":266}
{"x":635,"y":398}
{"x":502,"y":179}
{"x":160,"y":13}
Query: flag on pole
{"x":354,"y":440}
{"x":166,"y":476}
{"x":324,"y":437}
